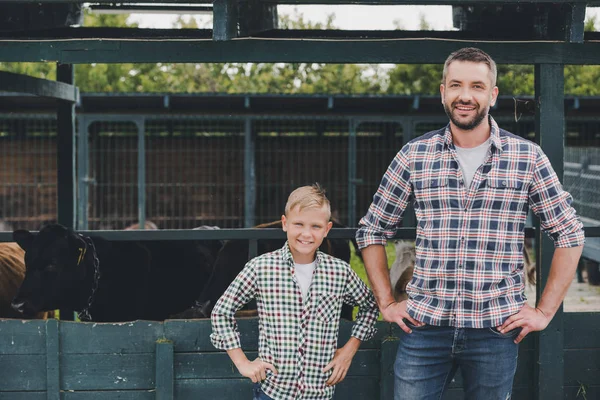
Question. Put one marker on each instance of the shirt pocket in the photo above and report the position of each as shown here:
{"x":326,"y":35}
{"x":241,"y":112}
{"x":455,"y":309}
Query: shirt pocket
{"x":504,"y":183}
{"x":430,"y":183}
{"x":327,"y":307}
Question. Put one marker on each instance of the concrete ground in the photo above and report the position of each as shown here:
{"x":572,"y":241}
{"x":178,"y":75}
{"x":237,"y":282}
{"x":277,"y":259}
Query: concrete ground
{"x":580,"y":297}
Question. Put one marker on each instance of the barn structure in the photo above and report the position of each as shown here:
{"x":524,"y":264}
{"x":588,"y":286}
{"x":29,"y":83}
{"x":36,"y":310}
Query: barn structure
{"x":141,"y":360}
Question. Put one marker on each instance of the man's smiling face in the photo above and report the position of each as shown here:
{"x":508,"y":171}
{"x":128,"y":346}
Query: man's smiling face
{"x":468,"y":93}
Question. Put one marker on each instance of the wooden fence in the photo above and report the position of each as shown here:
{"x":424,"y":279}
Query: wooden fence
{"x":175,"y":360}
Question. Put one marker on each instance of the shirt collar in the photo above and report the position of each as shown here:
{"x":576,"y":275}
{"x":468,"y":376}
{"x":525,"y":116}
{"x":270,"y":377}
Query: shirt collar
{"x":287,"y":255}
{"x":494,"y":135}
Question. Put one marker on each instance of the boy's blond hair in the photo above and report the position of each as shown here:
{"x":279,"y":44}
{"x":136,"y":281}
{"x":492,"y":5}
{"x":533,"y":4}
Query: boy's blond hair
{"x":308,"y":197}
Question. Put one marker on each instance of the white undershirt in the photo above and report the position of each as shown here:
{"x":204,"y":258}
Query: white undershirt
{"x":304,"y":274}
{"x":470,"y":159}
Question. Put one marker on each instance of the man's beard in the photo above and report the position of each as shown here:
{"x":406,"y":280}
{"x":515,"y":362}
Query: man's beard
{"x":469,"y":125}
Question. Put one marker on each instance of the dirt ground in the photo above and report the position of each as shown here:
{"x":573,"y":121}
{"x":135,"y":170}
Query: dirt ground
{"x":580,"y":297}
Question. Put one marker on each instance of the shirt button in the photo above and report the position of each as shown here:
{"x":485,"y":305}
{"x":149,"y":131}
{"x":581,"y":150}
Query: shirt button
{"x":503,"y":183}
{"x":461,"y":182}
{"x":466,"y":209}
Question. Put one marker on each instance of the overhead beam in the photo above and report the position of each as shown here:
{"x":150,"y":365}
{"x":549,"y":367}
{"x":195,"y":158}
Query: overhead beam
{"x":11,"y":82}
{"x":408,"y":51}
{"x":303,"y":2}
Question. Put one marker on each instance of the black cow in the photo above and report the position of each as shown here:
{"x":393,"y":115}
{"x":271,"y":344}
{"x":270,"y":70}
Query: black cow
{"x":113,"y":281}
{"x":234,"y":255}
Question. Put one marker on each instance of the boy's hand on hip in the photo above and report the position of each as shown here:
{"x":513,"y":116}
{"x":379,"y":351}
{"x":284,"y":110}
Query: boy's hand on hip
{"x":396,"y":312}
{"x":256,"y":370}
{"x":340,"y":364}
{"x":529,"y":319}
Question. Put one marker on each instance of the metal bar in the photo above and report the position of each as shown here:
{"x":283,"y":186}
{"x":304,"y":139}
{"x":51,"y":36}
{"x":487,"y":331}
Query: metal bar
{"x":141,"y":167}
{"x":227,"y":234}
{"x":249,"y":174}
{"x":225,"y":20}
{"x":52,"y":360}
{"x":549,"y":130}
{"x":11,"y":82}
{"x":352,"y":173}
{"x":401,"y":51}
{"x":82,"y":172}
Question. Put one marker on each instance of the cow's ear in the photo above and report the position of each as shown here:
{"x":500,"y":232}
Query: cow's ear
{"x":23,"y":238}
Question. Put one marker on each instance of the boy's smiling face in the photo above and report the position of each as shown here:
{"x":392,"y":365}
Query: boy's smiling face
{"x":306,"y":230}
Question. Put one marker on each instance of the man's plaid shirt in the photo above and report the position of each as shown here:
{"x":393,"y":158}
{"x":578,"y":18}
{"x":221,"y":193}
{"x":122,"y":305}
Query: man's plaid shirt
{"x":298,"y":338}
{"x":469,"y":244}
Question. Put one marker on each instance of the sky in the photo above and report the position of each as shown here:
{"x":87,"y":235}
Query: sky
{"x":358,"y":17}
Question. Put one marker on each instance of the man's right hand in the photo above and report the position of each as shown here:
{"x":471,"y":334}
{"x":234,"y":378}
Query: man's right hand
{"x":396,"y":312}
{"x":256,"y":370}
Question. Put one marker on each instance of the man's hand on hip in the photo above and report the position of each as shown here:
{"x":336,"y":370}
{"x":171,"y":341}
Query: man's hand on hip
{"x":529,"y":319}
{"x":396,"y":312}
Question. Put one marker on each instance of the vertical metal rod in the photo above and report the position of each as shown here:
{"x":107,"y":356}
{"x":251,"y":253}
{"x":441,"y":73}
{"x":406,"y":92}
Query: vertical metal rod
{"x":249,"y":175}
{"x":82,"y":172}
{"x":352,"y":174}
{"x":549,"y":131}
{"x":141,"y":167}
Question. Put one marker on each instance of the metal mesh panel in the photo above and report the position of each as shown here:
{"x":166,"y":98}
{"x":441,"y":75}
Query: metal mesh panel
{"x":582,"y":169}
{"x":28,"y":196}
{"x":296,"y":152}
{"x":377,"y":144}
{"x":113,"y":175}
{"x":195,"y":173}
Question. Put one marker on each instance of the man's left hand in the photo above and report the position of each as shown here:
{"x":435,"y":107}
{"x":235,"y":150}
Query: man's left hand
{"x":529,"y":319}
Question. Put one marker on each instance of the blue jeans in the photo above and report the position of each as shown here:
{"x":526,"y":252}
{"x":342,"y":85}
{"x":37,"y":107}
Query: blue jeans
{"x":428,"y":358}
{"x":258,"y":394}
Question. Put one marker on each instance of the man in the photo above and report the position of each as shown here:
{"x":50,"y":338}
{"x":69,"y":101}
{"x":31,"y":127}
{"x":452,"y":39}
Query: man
{"x":471,"y":185}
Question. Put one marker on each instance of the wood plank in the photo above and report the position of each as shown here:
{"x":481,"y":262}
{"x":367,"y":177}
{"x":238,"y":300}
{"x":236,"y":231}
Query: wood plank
{"x":22,"y":337}
{"x":582,"y":367}
{"x":582,"y":392}
{"x":218,"y":365}
{"x":194,"y":335}
{"x":122,"y":338}
{"x":581,"y":330}
{"x":353,"y":50}
{"x":188,"y":389}
{"x":389,"y":348}
{"x":357,"y":388}
{"x":107,"y":371}
{"x":164,"y":370}
{"x":52,"y":361}
{"x":22,"y":372}
{"x":112,"y":395}
{"x":23,"y":396}
{"x":11,"y":82}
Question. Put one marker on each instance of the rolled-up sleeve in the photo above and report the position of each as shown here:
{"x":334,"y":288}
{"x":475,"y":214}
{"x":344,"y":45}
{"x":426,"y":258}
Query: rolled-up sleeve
{"x":389,"y":202}
{"x":358,"y":294}
{"x":225,"y":334}
{"x":552,"y":204}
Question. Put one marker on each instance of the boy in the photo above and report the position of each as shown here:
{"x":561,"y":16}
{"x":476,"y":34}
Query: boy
{"x":299,"y":293}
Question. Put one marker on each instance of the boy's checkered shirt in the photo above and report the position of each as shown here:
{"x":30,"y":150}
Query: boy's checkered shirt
{"x":469,"y":245}
{"x":298,"y":338}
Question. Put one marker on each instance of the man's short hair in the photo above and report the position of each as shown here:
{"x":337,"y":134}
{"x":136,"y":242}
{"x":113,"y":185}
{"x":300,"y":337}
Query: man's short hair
{"x":471,"y":54}
{"x":312,"y":196}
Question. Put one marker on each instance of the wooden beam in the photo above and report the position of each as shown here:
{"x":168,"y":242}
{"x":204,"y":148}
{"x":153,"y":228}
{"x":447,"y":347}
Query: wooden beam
{"x":225,"y":20}
{"x":11,"y":82}
{"x":409,"y":51}
{"x":303,"y":2}
{"x":549,"y":130}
